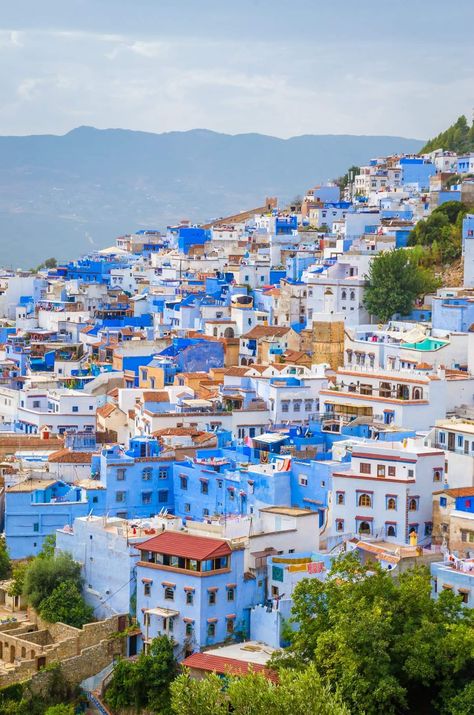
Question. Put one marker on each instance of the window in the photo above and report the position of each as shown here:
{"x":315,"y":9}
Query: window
{"x":340,"y":497}
{"x":392,"y":471}
{"x":390,"y":530}
{"x":183,"y":483}
{"x":146,"y":474}
{"x":460,"y":440}
{"x":36,"y":404}
{"x":120,"y":475}
{"x":211,"y":598}
{"x":466,"y":446}
{"x":365,"y":468}
{"x":205,"y":512}
{"x":146,"y":589}
{"x":285,"y":406}
{"x":467,"y":536}
{"x":231,"y":494}
{"x":308,"y":405}
{"x":381,"y":470}
{"x":189,"y":629}
{"x":442,"y":437}
{"x":120,"y":496}
{"x":189,"y":598}
{"x":146,"y":497}
{"x":428,"y":528}
{"x":187,"y":508}
{"x":204,"y":487}
{"x":392,"y":503}
{"x":169,"y":593}
{"x":365,"y":500}
{"x":230,"y":625}
{"x":339,"y":524}
{"x":302,"y":480}
{"x":211,"y":630}
{"x":443,"y":501}
{"x":163,"y":496}
{"x":411,"y":473}
{"x":437,"y":475}
{"x":163,"y":473}
{"x":75,"y":408}
{"x":230,"y":594}
{"x":36,"y":526}
{"x":464,"y":596}
{"x":413,"y":504}
{"x":95,"y":500}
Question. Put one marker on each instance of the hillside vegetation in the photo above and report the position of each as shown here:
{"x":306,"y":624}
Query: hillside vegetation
{"x":459,"y":137}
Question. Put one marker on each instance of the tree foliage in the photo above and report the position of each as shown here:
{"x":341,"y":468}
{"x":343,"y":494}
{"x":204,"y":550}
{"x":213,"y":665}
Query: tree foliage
{"x":5,"y":563}
{"x":298,"y":692}
{"x":395,"y":281}
{"x":145,"y":683}
{"x":44,"y":574}
{"x":459,"y":137}
{"x":441,"y":232}
{"x":66,"y":604}
{"x":384,"y":644}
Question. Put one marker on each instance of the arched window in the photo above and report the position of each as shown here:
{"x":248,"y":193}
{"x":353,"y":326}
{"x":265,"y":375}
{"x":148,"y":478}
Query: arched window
{"x":353,"y":295}
{"x":391,"y":503}
{"x":417,"y":393}
{"x":339,"y":525}
{"x":344,"y":295}
{"x":215,"y":332}
{"x":365,"y":500}
{"x":413,"y":505}
{"x":437,"y":475}
{"x":364,"y":527}
{"x":391,"y":531}
{"x":340,"y":498}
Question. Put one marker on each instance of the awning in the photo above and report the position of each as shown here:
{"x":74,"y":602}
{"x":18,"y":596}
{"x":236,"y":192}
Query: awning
{"x":162,"y":612}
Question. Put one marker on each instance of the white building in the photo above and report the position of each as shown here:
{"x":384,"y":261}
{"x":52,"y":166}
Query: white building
{"x":387,"y":492}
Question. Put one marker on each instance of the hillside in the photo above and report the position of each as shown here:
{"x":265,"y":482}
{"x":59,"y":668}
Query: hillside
{"x":459,"y":137}
{"x":63,"y":195}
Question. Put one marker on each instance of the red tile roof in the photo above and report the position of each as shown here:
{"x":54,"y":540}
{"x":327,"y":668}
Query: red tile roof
{"x":223,"y":665}
{"x":186,"y":545}
{"x":65,"y":456}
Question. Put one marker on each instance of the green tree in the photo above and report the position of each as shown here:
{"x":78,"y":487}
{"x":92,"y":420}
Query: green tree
{"x":60,"y":710}
{"x":18,"y":578}
{"x":5,"y":563}
{"x":297,"y":692}
{"x":441,"y":232}
{"x":47,"y":550}
{"x":395,"y":281}
{"x":458,"y":137}
{"x":43,"y":575}
{"x":198,"y":697}
{"x":383,"y":643}
{"x":66,"y":604}
{"x":50,"y":263}
{"x":145,"y":683}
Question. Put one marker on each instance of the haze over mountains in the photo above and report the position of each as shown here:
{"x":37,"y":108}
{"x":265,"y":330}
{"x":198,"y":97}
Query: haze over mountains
{"x":65,"y":195}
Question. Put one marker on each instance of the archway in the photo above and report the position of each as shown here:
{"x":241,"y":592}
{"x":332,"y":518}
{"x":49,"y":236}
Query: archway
{"x":364,"y":527}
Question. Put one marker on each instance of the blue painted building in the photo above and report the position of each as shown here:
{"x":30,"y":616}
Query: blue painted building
{"x":193,"y":589}
{"x":416,"y":170}
{"x":36,"y":508}
{"x":137,"y":482}
{"x":189,"y":236}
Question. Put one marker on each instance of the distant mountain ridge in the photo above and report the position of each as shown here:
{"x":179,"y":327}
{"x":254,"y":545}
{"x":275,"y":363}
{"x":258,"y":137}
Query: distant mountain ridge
{"x":64,"y":195}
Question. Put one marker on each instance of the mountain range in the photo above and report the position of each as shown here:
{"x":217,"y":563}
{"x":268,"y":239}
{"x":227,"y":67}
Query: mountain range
{"x":63,"y":196}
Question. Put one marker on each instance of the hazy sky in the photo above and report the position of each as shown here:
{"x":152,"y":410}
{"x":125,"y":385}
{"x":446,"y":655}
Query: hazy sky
{"x":281,"y":67}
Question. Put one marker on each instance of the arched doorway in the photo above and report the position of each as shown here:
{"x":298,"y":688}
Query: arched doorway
{"x":229,"y":333}
{"x":12,"y":654}
{"x":364,"y":527}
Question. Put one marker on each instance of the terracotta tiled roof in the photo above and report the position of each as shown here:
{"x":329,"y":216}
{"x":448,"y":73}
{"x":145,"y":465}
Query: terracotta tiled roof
{"x":459,"y":492}
{"x":156,"y":396}
{"x":222,"y":665}
{"x":186,"y":545}
{"x":65,"y":456}
{"x":106,"y":410}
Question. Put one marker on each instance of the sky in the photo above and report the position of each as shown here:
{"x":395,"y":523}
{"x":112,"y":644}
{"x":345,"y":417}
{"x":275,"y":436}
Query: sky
{"x":280,"y":67}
